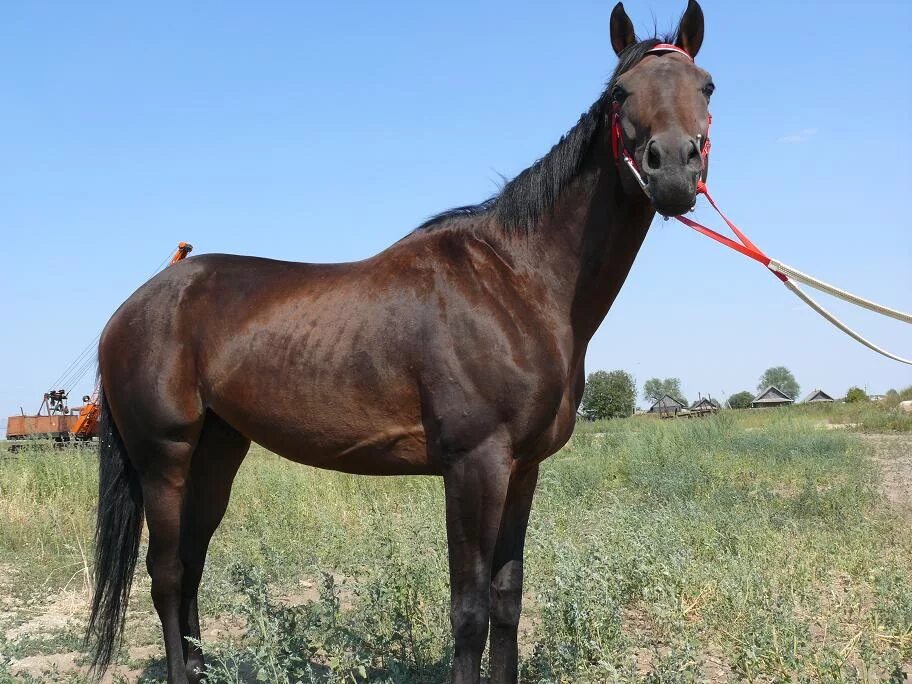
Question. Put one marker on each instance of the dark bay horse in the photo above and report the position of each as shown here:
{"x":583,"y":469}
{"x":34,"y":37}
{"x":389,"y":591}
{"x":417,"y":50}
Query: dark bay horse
{"x":458,"y":351}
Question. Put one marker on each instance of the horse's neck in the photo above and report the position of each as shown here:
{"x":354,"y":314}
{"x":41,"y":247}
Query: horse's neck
{"x":585,"y":247}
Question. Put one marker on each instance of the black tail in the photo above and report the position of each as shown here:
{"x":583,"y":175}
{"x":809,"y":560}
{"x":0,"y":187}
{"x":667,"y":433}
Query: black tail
{"x":117,"y":533}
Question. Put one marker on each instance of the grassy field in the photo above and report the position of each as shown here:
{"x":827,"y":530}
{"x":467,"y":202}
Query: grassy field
{"x":752,"y":546}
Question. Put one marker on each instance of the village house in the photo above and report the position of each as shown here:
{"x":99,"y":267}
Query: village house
{"x":818,"y":396}
{"x":667,"y":406}
{"x":771,"y":397}
{"x":705,"y":404}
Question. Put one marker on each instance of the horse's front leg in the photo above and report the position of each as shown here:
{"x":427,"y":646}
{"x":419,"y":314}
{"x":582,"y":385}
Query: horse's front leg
{"x":507,"y":577}
{"x":475,"y":484}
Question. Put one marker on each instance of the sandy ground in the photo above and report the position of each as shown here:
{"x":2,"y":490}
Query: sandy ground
{"x":893,"y":456}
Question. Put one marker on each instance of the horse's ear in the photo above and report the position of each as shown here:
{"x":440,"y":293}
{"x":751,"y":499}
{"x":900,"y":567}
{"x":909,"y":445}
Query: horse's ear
{"x":690,"y":31}
{"x":622,"y":34}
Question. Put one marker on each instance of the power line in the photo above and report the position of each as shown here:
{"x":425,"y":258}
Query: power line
{"x":87,"y":359}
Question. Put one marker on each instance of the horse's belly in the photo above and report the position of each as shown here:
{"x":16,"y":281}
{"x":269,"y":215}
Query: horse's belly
{"x":388,"y":452}
{"x":370,"y":438}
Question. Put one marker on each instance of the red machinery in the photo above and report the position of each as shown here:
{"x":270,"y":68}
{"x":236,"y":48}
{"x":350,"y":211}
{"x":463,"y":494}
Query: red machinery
{"x":54,"y":419}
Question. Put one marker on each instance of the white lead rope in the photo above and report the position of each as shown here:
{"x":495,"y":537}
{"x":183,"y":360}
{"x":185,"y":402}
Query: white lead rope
{"x":787,"y":273}
{"x":794,"y":274}
{"x":803,"y":296}
{"x":779,"y":267}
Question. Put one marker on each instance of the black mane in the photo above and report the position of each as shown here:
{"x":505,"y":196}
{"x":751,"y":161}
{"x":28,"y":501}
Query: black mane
{"x":533,"y":192}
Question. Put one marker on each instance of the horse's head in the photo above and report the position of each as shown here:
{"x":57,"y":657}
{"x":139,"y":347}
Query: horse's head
{"x":660,"y":112}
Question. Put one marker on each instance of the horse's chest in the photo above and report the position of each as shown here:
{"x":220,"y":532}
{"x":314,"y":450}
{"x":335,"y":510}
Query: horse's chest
{"x":557,"y":433}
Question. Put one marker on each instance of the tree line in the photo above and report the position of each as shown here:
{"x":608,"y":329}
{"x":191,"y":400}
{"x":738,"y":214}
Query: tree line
{"x":613,"y":394}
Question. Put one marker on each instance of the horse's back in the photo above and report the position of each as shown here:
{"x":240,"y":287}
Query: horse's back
{"x":311,"y":360}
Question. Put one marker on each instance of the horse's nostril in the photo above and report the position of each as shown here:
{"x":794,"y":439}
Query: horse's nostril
{"x":653,"y":158}
{"x":693,"y":151}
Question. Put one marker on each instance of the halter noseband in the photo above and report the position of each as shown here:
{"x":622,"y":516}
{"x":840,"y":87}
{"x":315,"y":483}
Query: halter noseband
{"x":619,"y":148}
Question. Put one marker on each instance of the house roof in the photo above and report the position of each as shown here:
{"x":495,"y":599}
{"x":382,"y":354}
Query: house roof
{"x":667,"y":401}
{"x":772,"y":395}
{"x":818,"y":395}
{"x":706,"y":401}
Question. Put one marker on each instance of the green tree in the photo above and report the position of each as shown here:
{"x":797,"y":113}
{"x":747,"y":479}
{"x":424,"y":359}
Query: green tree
{"x":856,"y":394}
{"x":609,"y":395}
{"x":654,"y":389}
{"x":781,"y":378}
{"x":741,"y":400}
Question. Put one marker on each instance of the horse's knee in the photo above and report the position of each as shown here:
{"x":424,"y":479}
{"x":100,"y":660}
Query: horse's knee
{"x":470,"y":624}
{"x":167,"y":578}
{"x":192,"y":574}
{"x":506,"y":606}
{"x":506,"y":596}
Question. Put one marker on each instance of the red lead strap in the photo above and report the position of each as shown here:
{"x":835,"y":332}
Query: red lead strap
{"x":746,"y":247}
{"x":784,"y":273}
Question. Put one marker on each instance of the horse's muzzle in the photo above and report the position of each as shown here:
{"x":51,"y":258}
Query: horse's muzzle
{"x":672,"y":193}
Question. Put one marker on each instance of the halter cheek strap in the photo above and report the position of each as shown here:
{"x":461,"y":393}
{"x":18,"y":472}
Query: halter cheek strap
{"x":621,"y":153}
{"x":619,"y":148}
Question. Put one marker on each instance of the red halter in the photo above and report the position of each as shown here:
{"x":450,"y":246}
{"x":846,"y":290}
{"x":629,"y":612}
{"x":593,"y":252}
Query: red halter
{"x":743,"y":245}
{"x":619,"y":148}
{"x":621,"y":153}
{"x":668,"y":47}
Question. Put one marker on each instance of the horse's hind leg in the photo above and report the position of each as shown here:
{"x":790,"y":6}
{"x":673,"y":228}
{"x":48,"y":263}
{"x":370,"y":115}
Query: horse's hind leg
{"x":163,"y":468}
{"x":216,"y":460}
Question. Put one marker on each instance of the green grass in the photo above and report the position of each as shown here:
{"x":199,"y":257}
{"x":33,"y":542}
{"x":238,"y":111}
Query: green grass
{"x":749,"y":546}
{"x":46,"y":521}
{"x":863,"y":416}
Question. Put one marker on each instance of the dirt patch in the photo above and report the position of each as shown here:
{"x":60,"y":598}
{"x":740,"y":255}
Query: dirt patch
{"x":10,"y":604}
{"x":146,"y":652}
{"x":893,"y":456}
{"x":41,"y":667}
{"x":230,"y":627}
{"x":57,"y":614}
{"x":38,"y":666}
{"x":835,"y":426}
{"x":654,"y":648}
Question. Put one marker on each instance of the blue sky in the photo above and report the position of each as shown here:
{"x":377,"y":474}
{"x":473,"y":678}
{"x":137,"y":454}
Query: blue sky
{"x":324,"y":132}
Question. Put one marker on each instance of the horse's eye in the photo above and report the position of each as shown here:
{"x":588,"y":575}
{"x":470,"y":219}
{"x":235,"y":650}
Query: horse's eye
{"x":708,"y":90}
{"x":619,"y":95}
